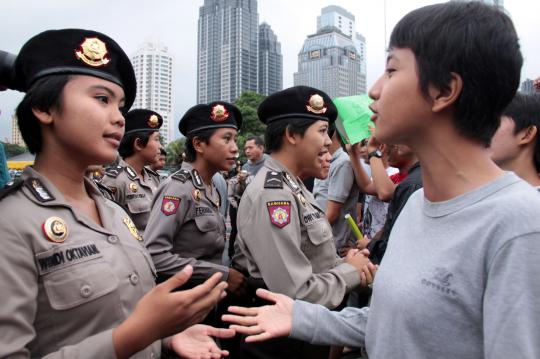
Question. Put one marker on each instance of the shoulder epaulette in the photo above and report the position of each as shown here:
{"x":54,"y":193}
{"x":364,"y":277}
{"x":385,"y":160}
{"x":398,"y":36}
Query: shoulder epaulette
{"x":132,"y":175}
{"x":105,"y":191}
{"x":181,"y":175}
{"x":39,"y":191}
{"x":10,"y":189}
{"x":152,"y":172}
{"x":196,"y":179}
{"x":273,"y":180}
{"x":113,"y":171}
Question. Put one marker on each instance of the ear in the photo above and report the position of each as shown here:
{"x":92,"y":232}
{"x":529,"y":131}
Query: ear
{"x":527,"y":135}
{"x":445,"y":97}
{"x":44,"y":118}
{"x":137,"y":144}
{"x":290,"y":137}
{"x":198,"y":144}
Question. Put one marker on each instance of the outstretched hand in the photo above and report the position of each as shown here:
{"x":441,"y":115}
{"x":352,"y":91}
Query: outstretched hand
{"x":196,"y":342}
{"x":263,"y":323}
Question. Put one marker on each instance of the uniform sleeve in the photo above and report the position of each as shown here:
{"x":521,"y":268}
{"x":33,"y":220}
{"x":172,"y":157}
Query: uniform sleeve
{"x":316,"y":324}
{"x":277,"y":252}
{"x":19,"y":305}
{"x":340,"y":182}
{"x":511,"y":311}
{"x":168,"y":212}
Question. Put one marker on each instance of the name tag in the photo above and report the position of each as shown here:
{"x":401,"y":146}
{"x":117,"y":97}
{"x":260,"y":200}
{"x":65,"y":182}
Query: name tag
{"x":203,"y":211}
{"x":313,"y":216}
{"x":65,"y":256}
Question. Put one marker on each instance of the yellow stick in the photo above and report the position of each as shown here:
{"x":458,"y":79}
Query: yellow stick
{"x":354,"y":227}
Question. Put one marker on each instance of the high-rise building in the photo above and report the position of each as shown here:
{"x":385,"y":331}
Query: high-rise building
{"x":16,"y":137}
{"x":270,"y":61}
{"x":527,"y":87}
{"x":333,"y":59}
{"x":153,"y":67}
{"x":227,"y":49}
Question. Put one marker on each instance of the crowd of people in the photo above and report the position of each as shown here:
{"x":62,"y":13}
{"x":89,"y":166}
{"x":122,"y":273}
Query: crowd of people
{"x":105,"y":258}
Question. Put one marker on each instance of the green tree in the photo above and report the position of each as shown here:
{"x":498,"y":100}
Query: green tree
{"x":12,"y":149}
{"x":248,"y":103}
{"x":174,"y":152}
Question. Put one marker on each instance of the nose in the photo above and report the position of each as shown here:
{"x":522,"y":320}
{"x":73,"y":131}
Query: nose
{"x":375,"y":90}
{"x":327,"y":140}
{"x":234,"y":148}
{"x":118,"y":118}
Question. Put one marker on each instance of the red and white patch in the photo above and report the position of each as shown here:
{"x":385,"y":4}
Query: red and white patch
{"x":280,"y":213}
{"x":170,"y":205}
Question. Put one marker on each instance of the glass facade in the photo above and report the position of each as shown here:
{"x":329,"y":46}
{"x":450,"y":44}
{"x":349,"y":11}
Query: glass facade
{"x":270,"y":61}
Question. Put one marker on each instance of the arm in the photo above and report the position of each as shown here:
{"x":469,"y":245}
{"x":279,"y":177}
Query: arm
{"x":333,"y":209}
{"x":384,"y":187}
{"x":363,"y":181}
{"x":340,"y":183}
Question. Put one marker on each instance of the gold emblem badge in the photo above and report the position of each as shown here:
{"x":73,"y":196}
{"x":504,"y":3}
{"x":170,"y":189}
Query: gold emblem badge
{"x":132,"y":229}
{"x":219,"y":113}
{"x":302,"y":199}
{"x":197,"y":195}
{"x":133,"y":187}
{"x":55,"y":229}
{"x":93,"y":52}
{"x":153,"y":121}
{"x":316,"y":104}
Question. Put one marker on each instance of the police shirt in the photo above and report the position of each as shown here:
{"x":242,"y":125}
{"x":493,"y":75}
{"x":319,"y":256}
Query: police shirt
{"x":66,"y":281}
{"x":186,"y":227}
{"x":285,"y":239}
{"x":132,"y":192}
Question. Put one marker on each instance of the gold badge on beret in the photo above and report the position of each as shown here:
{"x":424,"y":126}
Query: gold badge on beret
{"x":93,"y":52}
{"x":197,"y":195}
{"x":132,"y":229}
{"x":316,"y":104}
{"x":219,"y":113}
{"x":55,"y":229}
{"x":133,"y":187}
{"x":153,"y":121}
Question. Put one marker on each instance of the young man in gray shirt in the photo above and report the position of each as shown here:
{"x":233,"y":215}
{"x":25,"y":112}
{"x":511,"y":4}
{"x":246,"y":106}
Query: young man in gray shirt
{"x":460,"y":275}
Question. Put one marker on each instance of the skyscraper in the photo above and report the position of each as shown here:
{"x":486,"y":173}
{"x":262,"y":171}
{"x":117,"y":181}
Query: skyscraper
{"x":270,"y":61}
{"x":333,"y":59}
{"x":227,"y":50}
{"x":16,"y":136}
{"x":153,"y":69}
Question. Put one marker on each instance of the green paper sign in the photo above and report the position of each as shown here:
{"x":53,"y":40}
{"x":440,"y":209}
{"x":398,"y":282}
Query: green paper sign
{"x":354,"y":118}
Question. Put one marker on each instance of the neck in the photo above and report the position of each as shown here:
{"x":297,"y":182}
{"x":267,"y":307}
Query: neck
{"x":288,"y":160}
{"x":523,"y":167}
{"x":451,"y":164}
{"x":137,"y":164}
{"x":256,"y":160}
{"x":406,"y":166}
{"x":206,"y":171}
{"x":334,"y":146}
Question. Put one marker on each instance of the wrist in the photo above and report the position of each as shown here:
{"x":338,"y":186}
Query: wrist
{"x":130,"y":338}
{"x":374,"y":154}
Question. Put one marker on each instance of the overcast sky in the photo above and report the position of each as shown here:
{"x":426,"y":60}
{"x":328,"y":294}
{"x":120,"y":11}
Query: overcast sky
{"x":174,"y":23}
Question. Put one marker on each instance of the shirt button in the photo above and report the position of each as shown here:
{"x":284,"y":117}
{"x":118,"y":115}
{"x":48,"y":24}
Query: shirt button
{"x":152,"y":355}
{"x":112,"y":239}
{"x":86,"y":291}
{"x":134,"y":278}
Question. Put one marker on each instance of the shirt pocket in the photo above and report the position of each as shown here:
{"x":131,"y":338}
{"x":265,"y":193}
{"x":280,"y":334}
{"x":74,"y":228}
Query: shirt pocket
{"x":138,"y":206}
{"x":79,"y":284}
{"x":206,"y":223}
{"x":319,"y":232}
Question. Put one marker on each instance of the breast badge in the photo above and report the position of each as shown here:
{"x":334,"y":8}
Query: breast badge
{"x":133,"y":187}
{"x":279,"y":212}
{"x":170,"y":205}
{"x":197,"y":195}
{"x":132,"y":229}
{"x":55,"y":229}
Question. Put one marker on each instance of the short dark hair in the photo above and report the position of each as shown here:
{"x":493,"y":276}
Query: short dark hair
{"x":258,"y":140}
{"x":524,"y":110}
{"x":203,"y":135}
{"x":44,"y":95}
{"x":474,"y":40}
{"x":276,"y":129}
{"x":126,"y":145}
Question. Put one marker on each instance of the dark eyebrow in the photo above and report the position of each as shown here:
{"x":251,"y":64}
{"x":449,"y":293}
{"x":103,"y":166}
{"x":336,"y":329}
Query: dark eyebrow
{"x":106,"y":89}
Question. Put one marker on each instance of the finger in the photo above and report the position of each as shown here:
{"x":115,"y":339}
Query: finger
{"x":258,"y":338}
{"x":220,"y":332}
{"x":367,"y":273}
{"x":243,"y":310}
{"x":365,"y":252}
{"x":225,"y":353}
{"x":176,"y":280}
{"x":209,"y":291}
{"x":208,"y":285}
{"x":268,"y":295}
{"x":363,"y":280}
{"x":254,"y":330}
{"x":236,"y":319}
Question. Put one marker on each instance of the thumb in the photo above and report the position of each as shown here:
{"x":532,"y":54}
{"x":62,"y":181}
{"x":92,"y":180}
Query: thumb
{"x":177,"y":280}
{"x":267,"y":295}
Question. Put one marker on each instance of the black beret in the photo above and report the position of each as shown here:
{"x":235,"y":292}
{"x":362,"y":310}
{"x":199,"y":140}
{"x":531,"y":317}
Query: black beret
{"x":75,"y":51}
{"x":297,"y":102}
{"x":140,"y":120}
{"x":213,"y":115}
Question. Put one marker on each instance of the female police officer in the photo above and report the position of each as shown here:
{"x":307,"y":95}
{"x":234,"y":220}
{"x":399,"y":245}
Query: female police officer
{"x":185,"y":225}
{"x":131,"y":183}
{"x":73,"y":264}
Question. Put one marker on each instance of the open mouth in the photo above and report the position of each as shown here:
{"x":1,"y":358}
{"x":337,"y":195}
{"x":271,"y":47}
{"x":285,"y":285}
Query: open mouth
{"x":113,"y":138}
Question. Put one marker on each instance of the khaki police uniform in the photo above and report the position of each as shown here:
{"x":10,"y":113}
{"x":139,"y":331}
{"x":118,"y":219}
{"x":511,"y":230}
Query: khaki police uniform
{"x":67,"y":281}
{"x":133,"y":193}
{"x":285,"y":239}
{"x":186,"y":227}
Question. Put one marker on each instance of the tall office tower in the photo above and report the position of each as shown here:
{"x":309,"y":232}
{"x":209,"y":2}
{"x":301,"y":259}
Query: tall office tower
{"x":16,"y":136}
{"x":333,"y":59}
{"x":227,"y":49}
{"x":153,"y":69}
{"x":527,"y":87}
{"x":270,"y":61}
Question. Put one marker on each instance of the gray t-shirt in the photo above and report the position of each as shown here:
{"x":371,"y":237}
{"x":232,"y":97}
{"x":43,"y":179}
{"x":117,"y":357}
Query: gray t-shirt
{"x":340,"y":186}
{"x":459,"y":280}
{"x":254,"y":167}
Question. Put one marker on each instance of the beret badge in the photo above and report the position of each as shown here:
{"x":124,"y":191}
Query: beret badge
{"x":153,"y":121}
{"x":93,"y":52}
{"x":316,"y":104}
{"x":219,"y":113}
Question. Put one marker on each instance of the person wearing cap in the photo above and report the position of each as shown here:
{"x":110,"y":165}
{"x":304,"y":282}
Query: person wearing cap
{"x":185,"y":224}
{"x":77,"y":280}
{"x":284,"y":238}
{"x":132,"y":184}
{"x":159,"y":163}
